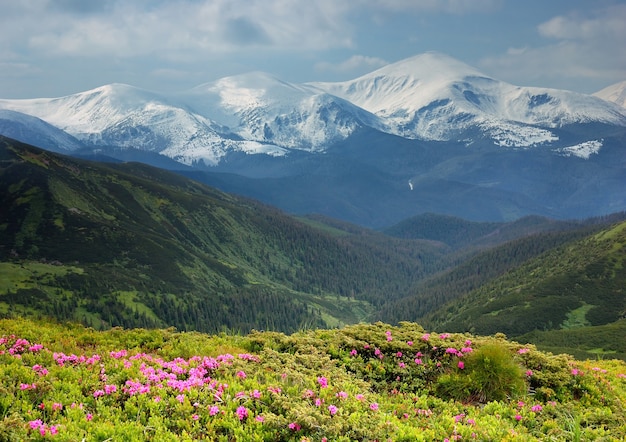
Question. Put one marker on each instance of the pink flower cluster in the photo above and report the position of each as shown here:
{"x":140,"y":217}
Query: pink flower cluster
{"x":41,"y":428}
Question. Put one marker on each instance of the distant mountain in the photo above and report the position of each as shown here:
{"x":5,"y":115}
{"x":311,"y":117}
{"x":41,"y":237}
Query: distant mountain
{"x":615,"y":93}
{"x":426,"y":134}
{"x":262,"y":108}
{"x":32,"y":130}
{"x":433,"y":96}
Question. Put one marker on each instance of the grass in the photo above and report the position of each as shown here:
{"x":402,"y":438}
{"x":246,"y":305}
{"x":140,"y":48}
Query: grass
{"x":576,"y":318}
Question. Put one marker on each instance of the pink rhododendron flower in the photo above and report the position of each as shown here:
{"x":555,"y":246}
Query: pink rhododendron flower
{"x":374,"y":406}
{"x":322,"y":381}
{"x":461,"y":365}
{"x":213,"y":410}
{"x":35,"y":424}
{"x":332,"y":410}
{"x":242,"y":412}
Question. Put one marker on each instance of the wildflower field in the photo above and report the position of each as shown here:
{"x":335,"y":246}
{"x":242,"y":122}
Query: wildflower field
{"x":366,"y":382}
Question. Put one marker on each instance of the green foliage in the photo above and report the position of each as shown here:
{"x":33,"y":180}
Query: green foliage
{"x":489,"y":373}
{"x":582,"y":278}
{"x":357,"y":383}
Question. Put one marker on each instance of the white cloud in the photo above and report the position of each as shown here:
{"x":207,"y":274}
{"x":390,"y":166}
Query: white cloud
{"x":128,"y":29}
{"x":175,"y":28}
{"x":445,"y":6}
{"x":577,"y":47}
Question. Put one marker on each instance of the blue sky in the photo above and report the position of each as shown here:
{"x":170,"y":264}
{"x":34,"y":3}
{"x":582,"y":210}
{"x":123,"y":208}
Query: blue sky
{"x":51,"y":48}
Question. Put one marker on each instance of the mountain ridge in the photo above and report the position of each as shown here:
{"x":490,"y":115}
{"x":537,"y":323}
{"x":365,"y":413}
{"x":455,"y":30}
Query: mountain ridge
{"x":428,"y":96}
{"x":472,"y":147}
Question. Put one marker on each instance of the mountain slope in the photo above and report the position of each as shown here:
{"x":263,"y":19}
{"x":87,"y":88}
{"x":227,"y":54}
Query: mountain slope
{"x":127,"y":244}
{"x":125,"y":116}
{"x":433,"y":96}
{"x":580,"y":283}
{"x":32,"y":130}
{"x":259,"y":107}
{"x":615,"y":93}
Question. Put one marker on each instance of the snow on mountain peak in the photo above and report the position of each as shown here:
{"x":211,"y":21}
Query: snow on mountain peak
{"x":616,"y":93}
{"x":259,"y":107}
{"x":433,"y":96}
{"x":406,"y":85}
{"x":429,"y":96}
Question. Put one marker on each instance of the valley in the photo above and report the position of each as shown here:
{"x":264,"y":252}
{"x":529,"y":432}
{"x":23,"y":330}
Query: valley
{"x":130,"y":245}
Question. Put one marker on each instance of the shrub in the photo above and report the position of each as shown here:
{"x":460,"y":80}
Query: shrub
{"x":490,"y":373}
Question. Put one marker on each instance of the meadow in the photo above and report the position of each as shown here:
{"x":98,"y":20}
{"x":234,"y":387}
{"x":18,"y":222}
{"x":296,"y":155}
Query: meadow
{"x":365,"y":382}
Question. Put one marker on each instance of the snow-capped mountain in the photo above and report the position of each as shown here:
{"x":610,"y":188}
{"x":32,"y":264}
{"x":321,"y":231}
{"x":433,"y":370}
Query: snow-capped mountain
{"x":35,"y":131}
{"x":260,"y":107}
{"x":125,"y":116}
{"x":433,"y":96}
{"x":428,"y":133}
{"x":428,"y":97}
{"x":615,"y":93}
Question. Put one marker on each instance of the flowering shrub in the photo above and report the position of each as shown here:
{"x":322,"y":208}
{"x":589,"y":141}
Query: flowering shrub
{"x":362,"y":382}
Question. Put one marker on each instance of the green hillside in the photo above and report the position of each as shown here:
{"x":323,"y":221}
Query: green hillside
{"x":573,"y":289}
{"x":474,"y":267}
{"x":131,"y":245}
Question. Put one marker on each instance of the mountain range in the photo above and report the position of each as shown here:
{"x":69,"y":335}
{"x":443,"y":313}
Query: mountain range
{"x":426,"y":134}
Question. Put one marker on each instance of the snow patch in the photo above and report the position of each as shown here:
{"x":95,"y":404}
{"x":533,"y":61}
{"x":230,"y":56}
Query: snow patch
{"x":582,"y":150}
{"x":516,"y":135}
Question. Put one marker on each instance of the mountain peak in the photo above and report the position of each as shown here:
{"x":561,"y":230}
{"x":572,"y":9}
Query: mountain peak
{"x":429,"y":66}
{"x":615,"y":93}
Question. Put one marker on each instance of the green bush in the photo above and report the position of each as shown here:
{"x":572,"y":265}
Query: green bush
{"x":489,"y":373}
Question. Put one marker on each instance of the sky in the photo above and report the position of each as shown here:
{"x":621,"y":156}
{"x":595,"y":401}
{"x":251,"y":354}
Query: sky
{"x":53,"y":48}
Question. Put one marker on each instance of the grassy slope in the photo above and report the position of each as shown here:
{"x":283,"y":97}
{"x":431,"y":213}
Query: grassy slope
{"x":573,"y":286}
{"x":129,"y":244}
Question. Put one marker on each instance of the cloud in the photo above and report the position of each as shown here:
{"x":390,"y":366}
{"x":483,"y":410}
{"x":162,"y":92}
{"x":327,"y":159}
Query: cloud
{"x":576,"y":47}
{"x":434,"y":6}
{"x":357,"y":64}
{"x":178,"y":28}
{"x":127,"y":29}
